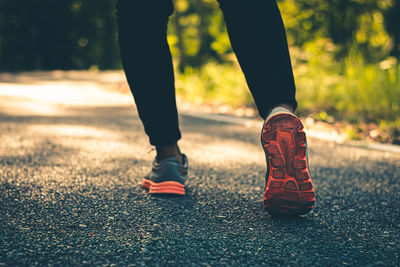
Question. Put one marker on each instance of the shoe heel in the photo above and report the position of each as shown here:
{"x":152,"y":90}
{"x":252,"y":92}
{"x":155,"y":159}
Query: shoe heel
{"x":169,"y":187}
{"x":289,"y":190}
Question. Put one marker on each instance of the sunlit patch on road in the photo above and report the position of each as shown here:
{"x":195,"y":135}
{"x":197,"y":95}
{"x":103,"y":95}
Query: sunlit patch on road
{"x":43,"y":94}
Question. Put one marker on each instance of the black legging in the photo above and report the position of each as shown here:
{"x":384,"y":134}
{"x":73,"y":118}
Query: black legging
{"x":257,"y":36}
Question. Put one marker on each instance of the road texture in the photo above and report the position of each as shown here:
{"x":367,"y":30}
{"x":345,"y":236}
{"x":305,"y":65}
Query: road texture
{"x":70,"y":194}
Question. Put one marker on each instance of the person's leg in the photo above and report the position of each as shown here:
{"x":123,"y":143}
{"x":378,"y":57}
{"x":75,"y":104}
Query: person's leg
{"x":147,"y":62}
{"x":258,"y":38}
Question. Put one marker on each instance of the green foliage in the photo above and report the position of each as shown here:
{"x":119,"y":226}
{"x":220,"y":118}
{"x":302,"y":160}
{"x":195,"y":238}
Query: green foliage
{"x":198,"y":34}
{"x":76,"y":34}
{"x":351,"y":91}
{"x":355,"y":24}
{"x":214,"y":84}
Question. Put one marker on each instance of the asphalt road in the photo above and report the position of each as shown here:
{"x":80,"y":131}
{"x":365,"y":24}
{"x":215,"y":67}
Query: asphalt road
{"x":70,"y":194}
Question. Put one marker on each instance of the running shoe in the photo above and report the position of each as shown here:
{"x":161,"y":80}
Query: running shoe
{"x":289,"y":189}
{"x":167,"y":176}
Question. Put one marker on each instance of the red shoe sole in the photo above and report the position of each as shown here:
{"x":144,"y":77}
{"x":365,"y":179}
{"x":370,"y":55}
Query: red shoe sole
{"x":169,"y":187}
{"x":289,"y":190}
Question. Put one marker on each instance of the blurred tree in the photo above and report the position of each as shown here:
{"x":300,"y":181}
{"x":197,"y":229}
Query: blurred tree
{"x":63,"y":34}
{"x":206,"y":10}
{"x":392,"y":23}
{"x":190,"y":28}
{"x":180,"y":6}
{"x":350,"y":24}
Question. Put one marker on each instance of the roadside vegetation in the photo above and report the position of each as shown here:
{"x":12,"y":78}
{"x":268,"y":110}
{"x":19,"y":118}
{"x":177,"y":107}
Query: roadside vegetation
{"x":364,"y":98}
{"x":345,"y":58}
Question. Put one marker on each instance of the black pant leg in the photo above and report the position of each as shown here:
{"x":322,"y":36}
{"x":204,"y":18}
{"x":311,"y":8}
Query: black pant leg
{"x":147,"y":62}
{"x":258,"y":38}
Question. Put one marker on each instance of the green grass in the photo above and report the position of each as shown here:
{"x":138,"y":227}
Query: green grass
{"x":349,"y":91}
{"x":214,"y":84}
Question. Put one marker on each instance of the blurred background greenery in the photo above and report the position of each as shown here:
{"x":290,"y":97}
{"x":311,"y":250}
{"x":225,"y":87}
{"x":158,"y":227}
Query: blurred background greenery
{"x":345,"y":53}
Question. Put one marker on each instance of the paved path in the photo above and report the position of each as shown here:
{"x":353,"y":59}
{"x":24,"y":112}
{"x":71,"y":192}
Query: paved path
{"x":70,"y":194}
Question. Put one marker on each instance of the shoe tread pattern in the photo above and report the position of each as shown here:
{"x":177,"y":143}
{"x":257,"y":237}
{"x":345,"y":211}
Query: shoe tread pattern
{"x":289,"y":189}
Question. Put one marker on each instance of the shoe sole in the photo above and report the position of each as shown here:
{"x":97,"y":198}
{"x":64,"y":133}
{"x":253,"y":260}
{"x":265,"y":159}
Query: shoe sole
{"x":168,"y":187}
{"x":289,"y":190}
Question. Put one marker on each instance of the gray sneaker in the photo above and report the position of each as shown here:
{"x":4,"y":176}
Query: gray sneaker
{"x":167,"y":176}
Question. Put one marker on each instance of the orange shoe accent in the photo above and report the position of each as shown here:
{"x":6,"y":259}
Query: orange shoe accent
{"x":289,"y":189}
{"x":168,"y":187}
